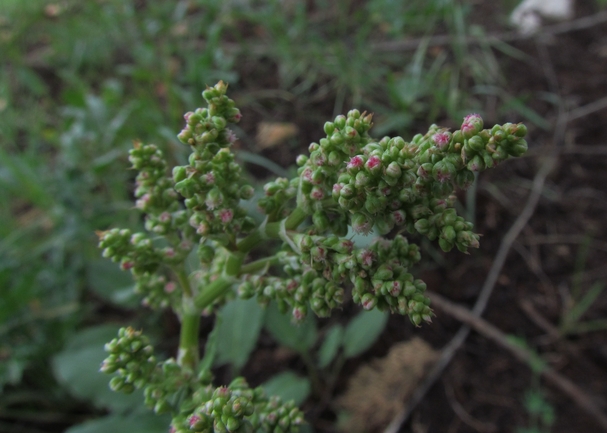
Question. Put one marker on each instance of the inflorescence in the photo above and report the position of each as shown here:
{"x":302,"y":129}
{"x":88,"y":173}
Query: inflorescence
{"x":348,"y":180}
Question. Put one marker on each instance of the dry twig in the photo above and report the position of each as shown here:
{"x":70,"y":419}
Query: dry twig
{"x":583,"y":400}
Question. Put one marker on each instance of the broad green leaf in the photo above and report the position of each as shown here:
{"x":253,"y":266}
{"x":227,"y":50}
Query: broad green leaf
{"x":238,"y":332}
{"x":111,"y":283}
{"x":363,"y":330}
{"x":331,"y":344}
{"x":147,"y":422}
{"x":288,"y":386}
{"x":210,"y":348}
{"x":299,"y":337}
{"x":77,"y":368}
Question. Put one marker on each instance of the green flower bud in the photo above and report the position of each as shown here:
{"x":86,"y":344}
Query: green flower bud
{"x":246,"y":192}
{"x":445,"y":244}
{"x":393,"y":170}
{"x":476,"y":164}
{"x":373,"y":204}
{"x":518,"y":149}
{"x":475,"y":143}
{"x":205,"y":253}
{"x":179,"y":174}
{"x":384,"y":224}
{"x":361,"y":223}
{"x":384,"y":272}
{"x":186,"y":187}
{"x":301,"y":160}
{"x":464,"y":179}
{"x":340,"y":121}
{"x":443,"y":171}
{"x":334,"y":158}
{"x":422,"y":226}
{"x":329,"y":128}
{"x":368,"y":301}
{"x":320,"y":221}
{"x":424,"y":170}
{"x":520,"y":130}
{"x":362,"y":179}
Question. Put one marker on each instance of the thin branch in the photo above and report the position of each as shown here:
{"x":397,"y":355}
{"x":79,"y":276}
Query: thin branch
{"x":579,"y":396}
{"x":413,"y":44}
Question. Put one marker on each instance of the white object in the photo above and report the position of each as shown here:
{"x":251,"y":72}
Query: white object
{"x":527,"y":15}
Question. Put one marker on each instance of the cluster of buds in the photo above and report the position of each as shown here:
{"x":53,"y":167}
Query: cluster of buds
{"x":277,"y":195}
{"x":157,"y":291}
{"x":135,"y":252}
{"x":304,"y":288}
{"x":318,"y":272}
{"x":170,"y":381}
{"x":381,"y":279}
{"x":212,"y":183}
{"x":156,"y":195}
{"x":319,"y":172}
{"x":483,"y":149}
{"x":237,"y":408}
{"x":131,"y":357}
{"x":349,"y":180}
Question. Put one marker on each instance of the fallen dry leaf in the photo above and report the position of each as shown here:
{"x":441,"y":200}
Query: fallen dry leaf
{"x":270,"y":134}
{"x":378,"y":390}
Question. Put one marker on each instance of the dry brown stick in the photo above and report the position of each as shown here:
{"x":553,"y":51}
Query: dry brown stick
{"x":500,"y":258}
{"x":579,"y":396}
{"x":413,"y":44}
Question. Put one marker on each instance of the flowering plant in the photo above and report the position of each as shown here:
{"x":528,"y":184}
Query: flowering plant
{"x":349,"y":179}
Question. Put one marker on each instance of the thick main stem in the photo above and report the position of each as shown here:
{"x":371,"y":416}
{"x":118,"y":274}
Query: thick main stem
{"x":193,"y":305}
{"x":271,"y":230}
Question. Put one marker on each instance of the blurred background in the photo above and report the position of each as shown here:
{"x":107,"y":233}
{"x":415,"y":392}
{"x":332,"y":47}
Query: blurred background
{"x":80,"y":80}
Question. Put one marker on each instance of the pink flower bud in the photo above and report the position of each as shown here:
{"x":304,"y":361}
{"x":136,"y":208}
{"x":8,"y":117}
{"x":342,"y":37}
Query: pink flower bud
{"x":373,"y":164}
{"x":356,"y":163}
{"x":226,"y":215}
{"x":127,"y":265}
{"x":170,"y":287}
{"x":368,"y":301}
{"x":399,"y":217}
{"x":164,"y":217}
{"x":317,"y":193}
{"x":299,"y":313}
{"x":441,"y":139}
{"x":193,"y":421}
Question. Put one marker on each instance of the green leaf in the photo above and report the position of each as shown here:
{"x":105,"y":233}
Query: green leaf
{"x":108,"y":281}
{"x":137,"y":423}
{"x":578,"y":310}
{"x":331,"y":344}
{"x":288,"y":386}
{"x":299,"y":337}
{"x":363,"y":330}
{"x":238,"y":332}
{"x":77,"y":368}
{"x":210,"y":348}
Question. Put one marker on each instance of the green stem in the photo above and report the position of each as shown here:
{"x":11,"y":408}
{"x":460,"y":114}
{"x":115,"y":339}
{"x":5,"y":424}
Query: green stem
{"x":190,"y":322}
{"x":219,"y":286}
{"x":258,"y":265}
{"x":271,"y":230}
{"x":188,"y":339}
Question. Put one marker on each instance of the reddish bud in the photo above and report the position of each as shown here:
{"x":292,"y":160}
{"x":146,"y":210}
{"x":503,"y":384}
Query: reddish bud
{"x":356,"y":162}
{"x":226,"y":215}
{"x":441,"y":139}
